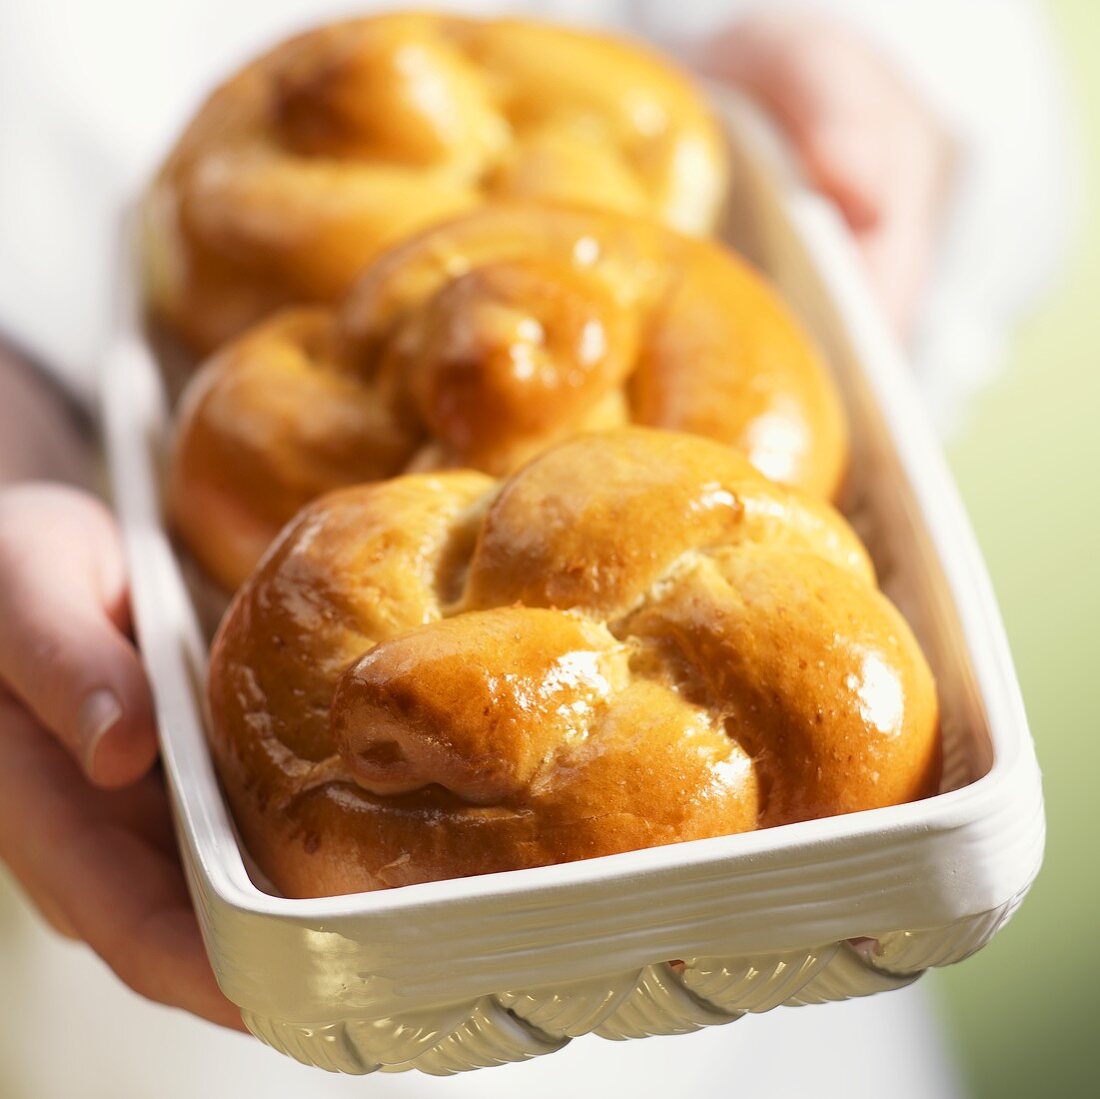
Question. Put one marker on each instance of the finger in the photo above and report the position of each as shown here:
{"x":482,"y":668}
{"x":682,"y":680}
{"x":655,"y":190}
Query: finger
{"x":48,"y":910}
{"x":122,"y":895}
{"x":896,"y":258}
{"x":62,"y":646}
{"x":805,"y":89}
{"x":898,"y":249}
{"x":847,"y":163}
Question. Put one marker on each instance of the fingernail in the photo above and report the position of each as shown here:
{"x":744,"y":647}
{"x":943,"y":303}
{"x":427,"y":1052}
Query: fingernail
{"x":99,"y":713}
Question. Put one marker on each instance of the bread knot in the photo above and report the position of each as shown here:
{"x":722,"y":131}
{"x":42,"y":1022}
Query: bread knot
{"x":338,"y":142}
{"x":478,"y":345}
{"x":634,"y":640}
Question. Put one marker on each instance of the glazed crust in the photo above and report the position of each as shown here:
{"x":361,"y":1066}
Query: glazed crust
{"x":635,"y":640}
{"x":482,"y":342}
{"x":337,"y":143}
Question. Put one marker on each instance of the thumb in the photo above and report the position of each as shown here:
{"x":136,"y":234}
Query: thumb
{"x":63,"y":620}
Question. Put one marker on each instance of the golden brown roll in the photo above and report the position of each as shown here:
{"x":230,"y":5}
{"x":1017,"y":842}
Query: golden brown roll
{"x":345,"y":139}
{"x":635,"y":640}
{"x":480,"y":343}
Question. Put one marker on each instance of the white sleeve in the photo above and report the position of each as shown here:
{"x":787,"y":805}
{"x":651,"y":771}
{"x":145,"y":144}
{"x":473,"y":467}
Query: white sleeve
{"x":991,"y":70}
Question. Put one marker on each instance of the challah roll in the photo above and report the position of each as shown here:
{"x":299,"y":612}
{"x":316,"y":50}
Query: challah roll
{"x":635,"y":640}
{"x":480,"y":343}
{"x":345,"y":139}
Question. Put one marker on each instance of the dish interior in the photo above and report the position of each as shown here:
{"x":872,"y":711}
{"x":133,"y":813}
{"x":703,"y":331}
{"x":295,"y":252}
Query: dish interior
{"x":878,"y":498}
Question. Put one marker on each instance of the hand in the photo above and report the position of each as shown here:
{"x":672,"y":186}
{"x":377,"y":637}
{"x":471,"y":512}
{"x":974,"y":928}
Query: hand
{"x":84,"y":823}
{"x":865,"y":137}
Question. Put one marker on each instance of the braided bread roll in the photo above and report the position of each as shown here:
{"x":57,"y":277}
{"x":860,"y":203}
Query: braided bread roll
{"x":482,"y":342}
{"x":635,"y":640}
{"x":345,"y":139}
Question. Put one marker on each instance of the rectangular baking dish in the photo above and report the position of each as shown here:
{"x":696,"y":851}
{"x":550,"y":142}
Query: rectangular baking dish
{"x":462,"y":974}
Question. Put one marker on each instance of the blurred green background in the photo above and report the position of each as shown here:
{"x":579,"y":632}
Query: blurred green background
{"x":1024,"y":1012}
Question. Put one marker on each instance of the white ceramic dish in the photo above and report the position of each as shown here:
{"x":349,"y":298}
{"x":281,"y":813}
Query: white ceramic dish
{"x":474,"y":972}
